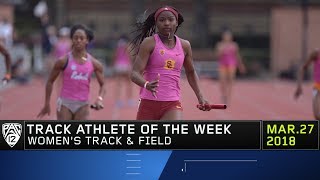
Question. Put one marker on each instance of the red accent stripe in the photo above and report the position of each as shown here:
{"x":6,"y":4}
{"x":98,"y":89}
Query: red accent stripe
{"x":165,"y":9}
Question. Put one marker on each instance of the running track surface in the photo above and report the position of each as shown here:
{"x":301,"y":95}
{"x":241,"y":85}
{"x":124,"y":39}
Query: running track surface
{"x":251,"y":100}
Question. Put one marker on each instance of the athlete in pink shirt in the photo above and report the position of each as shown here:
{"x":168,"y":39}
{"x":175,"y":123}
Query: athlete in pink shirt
{"x":315,"y":59}
{"x":63,"y":45}
{"x":7,"y":57}
{"x":61,"y":48}
{"x":76,"y":68}
{"x":7,"y":74}
{"x":227,"y":52}
{"x":122,"y":68}
{"x":158,"y":66}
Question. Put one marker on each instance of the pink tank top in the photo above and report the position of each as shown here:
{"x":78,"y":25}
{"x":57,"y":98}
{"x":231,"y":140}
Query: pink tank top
{"x":76,"y":79}
{"x":61,"y":49}
{"x":228,"y":56}
{"x":122,"y":56}
{"x":168,"y":63}
{"x":316,"y":70}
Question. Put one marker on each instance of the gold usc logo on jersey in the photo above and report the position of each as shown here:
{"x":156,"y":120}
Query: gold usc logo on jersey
{"x":169,"y":64}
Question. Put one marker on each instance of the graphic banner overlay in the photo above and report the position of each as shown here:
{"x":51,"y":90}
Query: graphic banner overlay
{"x":291,"y":135}
{"x":142,"y":135}
{"x":12,"y":135}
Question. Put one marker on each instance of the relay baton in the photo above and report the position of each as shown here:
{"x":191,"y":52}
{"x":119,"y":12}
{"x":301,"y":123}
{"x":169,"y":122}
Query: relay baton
{"x":215,"y":106}
{"x":93,"y":106}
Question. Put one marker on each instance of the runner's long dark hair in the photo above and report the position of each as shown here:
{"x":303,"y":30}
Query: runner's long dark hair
{"x":148,"y":28}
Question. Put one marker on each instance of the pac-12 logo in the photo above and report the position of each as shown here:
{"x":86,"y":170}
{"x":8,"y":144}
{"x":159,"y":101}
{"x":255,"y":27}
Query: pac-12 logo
{"x":11,"y":133}
{"x":73,"y":67}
